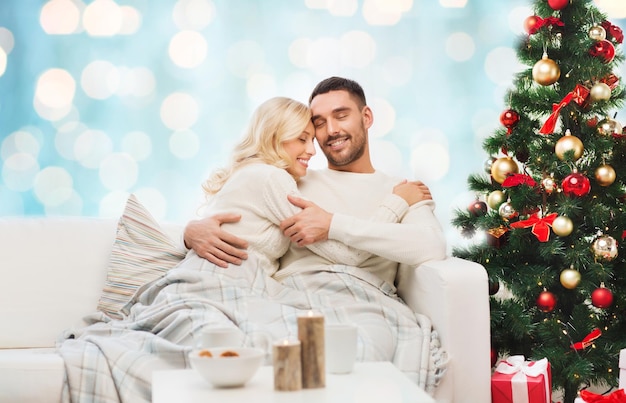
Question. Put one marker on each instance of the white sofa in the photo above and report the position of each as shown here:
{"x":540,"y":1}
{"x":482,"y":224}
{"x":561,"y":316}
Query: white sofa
{"x":53,"y":271}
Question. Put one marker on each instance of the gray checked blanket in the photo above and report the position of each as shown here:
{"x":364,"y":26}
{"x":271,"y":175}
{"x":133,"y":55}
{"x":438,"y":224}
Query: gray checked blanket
{"x":113,"y":360}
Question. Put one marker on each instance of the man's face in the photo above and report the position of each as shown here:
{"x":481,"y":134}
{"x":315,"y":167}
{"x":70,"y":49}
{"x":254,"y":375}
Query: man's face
{"x":340,"y":128}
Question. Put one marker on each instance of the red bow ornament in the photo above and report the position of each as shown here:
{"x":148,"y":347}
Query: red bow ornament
{"x":540,"y":225}
{"x":518,"y":179}
{"x":542,"y":22}
{"x":587,"y":340}
{"x":550,"y":124}
{"x":616,"y":397}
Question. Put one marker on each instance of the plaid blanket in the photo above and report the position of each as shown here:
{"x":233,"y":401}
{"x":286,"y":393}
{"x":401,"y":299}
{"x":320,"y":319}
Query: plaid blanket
{"x":113,"y":360}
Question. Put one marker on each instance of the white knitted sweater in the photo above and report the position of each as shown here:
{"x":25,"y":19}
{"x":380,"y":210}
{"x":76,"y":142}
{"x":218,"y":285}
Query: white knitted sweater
{"x":409,"y":235}
{"x":259,"y":193}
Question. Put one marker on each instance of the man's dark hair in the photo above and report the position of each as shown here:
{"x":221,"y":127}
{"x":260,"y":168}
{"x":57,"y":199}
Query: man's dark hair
{"x":338,"y":84}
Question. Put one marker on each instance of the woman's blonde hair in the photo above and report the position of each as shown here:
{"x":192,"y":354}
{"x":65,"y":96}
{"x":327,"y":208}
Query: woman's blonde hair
{"x":273,"y":122}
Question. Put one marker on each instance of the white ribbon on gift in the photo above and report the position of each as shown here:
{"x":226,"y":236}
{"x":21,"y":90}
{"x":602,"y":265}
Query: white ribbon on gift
{"x":517,"y":365}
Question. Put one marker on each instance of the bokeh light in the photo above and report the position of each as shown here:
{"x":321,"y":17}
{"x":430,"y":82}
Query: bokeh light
{"x":179,"y":111}
{"x":131,"y":20}
{"x":137,"y":144}
{"x":453,"y":3}
{"x":193,"y":14}
{"x":60,"y":17}
{"x":188,"y":49}
{"x":19,"y":171}
{"x":100,"y":79}
{"x":385,"y":12}
{"x":613,"y":8}
{"x":92,"y":147}
{"x":184,"y":144}
{"x":460,"y":46}
{"x":118,"y":171}
{"x":384,"y":117}
{"x":53,"y":186}
{"x":430,"y":161}
{"x":7,"y":41}
{"x":3,"y":61}
{"x":55,"y":89}
{"x":102,"y":18}
{"x":54,"y":94}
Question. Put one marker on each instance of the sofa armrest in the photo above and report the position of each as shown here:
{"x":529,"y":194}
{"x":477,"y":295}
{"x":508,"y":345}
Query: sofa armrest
{"x":453,"y":294}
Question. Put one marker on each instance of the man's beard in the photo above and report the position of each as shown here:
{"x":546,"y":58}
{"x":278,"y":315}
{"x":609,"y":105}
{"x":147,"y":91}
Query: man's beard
{"x":355,"y":152}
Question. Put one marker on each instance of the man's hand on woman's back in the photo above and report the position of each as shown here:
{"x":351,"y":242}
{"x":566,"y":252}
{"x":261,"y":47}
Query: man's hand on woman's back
{"x":309,"y":225}
{"x":209,"y":241}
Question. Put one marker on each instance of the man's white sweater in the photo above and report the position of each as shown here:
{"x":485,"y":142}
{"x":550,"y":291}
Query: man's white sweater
{"x":409,"y":235}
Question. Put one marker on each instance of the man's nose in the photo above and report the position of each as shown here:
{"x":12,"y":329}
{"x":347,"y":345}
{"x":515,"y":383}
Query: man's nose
{"x":332,"y":127}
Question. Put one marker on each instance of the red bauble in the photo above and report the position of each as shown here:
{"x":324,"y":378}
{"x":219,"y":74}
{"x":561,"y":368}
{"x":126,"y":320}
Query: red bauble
{"x":509,"y":118}
{"x":616,"y":32}
{"x":558,"y":4}
{"x":546,"y":301}
{"x":603,"y":49}
{"x":613,"y":31}
{"x":478,"y":208}
{"x":530,"y":24}
{"x":494,"y":356}
{"x":602,"y":297}
{"x":576,"y":184}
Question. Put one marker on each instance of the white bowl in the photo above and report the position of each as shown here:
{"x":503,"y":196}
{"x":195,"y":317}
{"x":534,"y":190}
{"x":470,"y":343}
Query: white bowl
{"x":227,"y":372}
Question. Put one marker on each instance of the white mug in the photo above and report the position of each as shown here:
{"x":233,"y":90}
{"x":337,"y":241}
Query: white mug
{"x":221,"y":337}
{"x":340,"y":346}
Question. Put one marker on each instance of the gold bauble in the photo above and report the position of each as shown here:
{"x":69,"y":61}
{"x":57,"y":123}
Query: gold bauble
{"x":600,"y":92}
{"x":604,"y":248}
{"x":546,"y":71}
{"x":597,"y":33}
{"x":608,"y":127}
{"x":570,"y":278}
{"x":569,"y":143}
{"x":562,"y":226}
{"x":605,"y":175}
{"x":502,"y":167}
{"x":495,"y":199}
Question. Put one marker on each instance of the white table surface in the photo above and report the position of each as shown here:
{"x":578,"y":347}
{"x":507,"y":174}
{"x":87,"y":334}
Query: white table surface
{"x":373,"y":382}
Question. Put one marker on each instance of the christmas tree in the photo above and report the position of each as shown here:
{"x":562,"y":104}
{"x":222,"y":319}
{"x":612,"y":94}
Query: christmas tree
{"x":551,"y":202}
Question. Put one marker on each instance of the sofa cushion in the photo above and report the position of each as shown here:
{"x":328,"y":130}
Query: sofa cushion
{"x":52,"y":271}
{"x":142,"y":252}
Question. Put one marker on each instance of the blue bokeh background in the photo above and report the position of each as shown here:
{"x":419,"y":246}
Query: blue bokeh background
{"x":103,"y":98}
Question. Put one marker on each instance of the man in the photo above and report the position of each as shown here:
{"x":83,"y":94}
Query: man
{"x":351,"y":189}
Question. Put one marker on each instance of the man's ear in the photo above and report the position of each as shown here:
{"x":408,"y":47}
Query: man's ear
{"x":367,"y":116}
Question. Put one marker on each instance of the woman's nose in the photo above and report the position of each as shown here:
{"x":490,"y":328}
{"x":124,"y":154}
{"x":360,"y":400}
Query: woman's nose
{"x":310,"y":147}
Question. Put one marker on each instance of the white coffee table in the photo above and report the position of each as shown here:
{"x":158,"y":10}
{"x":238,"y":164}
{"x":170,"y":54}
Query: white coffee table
{"x":373,"y":382}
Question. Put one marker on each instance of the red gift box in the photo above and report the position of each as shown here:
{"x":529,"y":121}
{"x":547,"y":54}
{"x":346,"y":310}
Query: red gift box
{"x":518,"y":381}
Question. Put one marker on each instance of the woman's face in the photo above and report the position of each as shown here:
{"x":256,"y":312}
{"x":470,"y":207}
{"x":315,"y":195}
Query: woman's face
{"x":300,"y":151}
